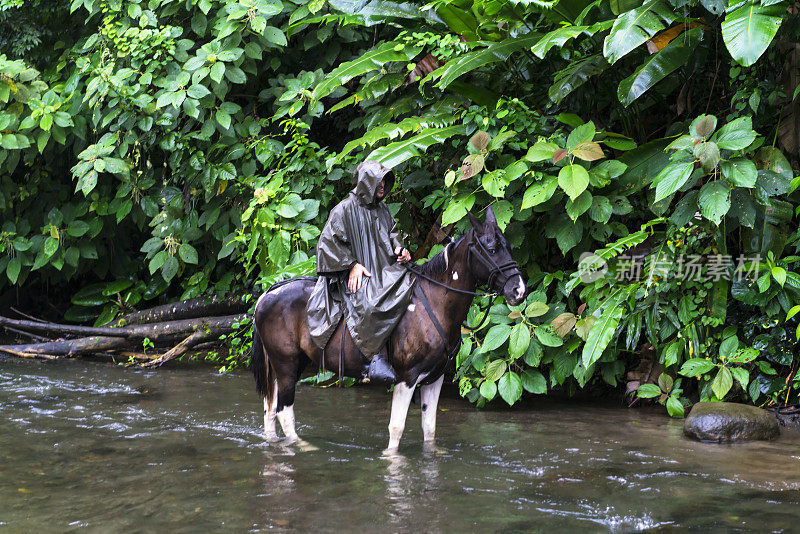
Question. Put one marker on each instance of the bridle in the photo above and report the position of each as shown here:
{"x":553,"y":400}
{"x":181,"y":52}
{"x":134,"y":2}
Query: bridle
{"x":489,"y":263}
{"x":486,"y":260}
{"x":478,"y":250}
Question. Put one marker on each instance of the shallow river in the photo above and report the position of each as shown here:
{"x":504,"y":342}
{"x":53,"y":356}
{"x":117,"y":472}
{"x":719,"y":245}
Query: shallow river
{"x":94,"y":447}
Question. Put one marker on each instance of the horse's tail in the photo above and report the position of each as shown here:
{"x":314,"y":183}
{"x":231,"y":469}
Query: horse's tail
{"x":259,"y":364}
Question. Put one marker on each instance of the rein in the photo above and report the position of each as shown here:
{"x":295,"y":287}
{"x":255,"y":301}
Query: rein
{"x":494,"y":271}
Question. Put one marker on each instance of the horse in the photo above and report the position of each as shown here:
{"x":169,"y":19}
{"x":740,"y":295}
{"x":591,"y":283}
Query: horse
{"x":419,"y":345}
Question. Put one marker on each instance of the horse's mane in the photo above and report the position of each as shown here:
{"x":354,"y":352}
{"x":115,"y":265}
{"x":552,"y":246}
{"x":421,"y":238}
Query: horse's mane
{"x":440,"y":262}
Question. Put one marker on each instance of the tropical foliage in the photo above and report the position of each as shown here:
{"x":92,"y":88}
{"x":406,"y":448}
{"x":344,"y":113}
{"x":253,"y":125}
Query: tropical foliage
{"x":637,"y":155}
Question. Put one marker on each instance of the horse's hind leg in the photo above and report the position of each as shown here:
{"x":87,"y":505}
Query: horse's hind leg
{"x":270,"y":411}
{"x":429,"y":400}
{"x":401,"y":398}
{"x":285,"y":389}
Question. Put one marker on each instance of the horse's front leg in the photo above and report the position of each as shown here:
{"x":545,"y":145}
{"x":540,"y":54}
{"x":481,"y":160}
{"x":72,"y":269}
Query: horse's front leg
{"x":401,"y":398}
{"x":429,"y":397}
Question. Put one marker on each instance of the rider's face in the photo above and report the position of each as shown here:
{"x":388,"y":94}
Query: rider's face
{"x":379,"y":192}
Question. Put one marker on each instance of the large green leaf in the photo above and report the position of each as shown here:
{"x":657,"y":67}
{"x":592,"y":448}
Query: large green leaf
{"x":556,"y":38}
{"x":510,"y":387}
{"x":371,"y":60}
{"x":659,"y":65}
{"x":696,"y":367}
{"x":396,"y":153}
{"x":736,"y":135}
{"x":715,"y":200}
{"x":643,"y":163}
{"x":749,"y":30}
{"x":601,"y":333}
{"x":459,"y":21}
{"x":573,"y":179}
{"x":671,"y":178}
{"x":575,"y":75}
{"x":374,"y":12}
{"x":634,"y":27}
{"x":391,"y":130}
{"x":539,"y":192}
{"x":489,"y":53}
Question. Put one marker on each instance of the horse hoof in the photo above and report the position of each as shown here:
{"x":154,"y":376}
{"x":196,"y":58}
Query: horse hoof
{"x":430,"y":447}
{"x":305,"y":446}
{"x":391,"y":453}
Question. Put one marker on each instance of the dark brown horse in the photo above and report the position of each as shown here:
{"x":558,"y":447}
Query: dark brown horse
{"x":282,"y":346}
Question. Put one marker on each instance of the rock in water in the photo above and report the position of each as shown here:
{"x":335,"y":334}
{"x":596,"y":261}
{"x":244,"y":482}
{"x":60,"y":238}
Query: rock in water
{"x":729,"y":421}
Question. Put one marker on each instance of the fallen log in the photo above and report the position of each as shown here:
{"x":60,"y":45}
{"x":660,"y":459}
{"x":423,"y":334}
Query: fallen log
{"x":178,"y":350}
{"x":190,"y":309}
{"x":153,"y":331}
{"x":69,"y":347}
{"x":18,"y":354}
{"x":128,"y":337}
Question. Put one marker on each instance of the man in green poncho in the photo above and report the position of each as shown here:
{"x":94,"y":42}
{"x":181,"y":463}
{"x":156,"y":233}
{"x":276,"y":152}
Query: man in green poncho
{"x":358,"y":275}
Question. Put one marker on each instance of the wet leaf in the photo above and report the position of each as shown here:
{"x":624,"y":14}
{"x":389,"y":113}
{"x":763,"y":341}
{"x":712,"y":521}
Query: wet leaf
{"x":564,"y":323}
{"x":480,"y":141}
{"x":519,"y":340}
{"x":648,"y":391}
{"x":495,"y":337}
{"x":534,"y":382}
{"x":536,"y":309}
{"x":573,"y":179}
{"x":695,"y":367}
{"x":722,"y":383}
{"x":703,"y":126}
{"x":510,"y":387}
{"x":588,"y":151}
{"x":715,"y":200}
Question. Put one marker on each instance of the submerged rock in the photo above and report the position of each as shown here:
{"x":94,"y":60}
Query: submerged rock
{"x":729,"y":421}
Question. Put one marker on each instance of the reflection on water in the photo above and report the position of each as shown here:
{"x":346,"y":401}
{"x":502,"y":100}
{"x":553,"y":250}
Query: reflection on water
{"x":86,"y":445}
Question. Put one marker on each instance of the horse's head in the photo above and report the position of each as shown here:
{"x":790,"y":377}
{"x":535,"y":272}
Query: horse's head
{"x":490,"y":259}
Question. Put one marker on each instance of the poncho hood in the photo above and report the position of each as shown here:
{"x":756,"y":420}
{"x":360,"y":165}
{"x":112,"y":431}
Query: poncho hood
{"x":367,"y":177}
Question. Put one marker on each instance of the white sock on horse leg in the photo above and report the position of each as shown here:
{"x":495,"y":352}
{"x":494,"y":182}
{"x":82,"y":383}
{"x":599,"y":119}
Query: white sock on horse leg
{"x":429,"y":401}
{"x":401,"y":398}
{"x":286,"y":419}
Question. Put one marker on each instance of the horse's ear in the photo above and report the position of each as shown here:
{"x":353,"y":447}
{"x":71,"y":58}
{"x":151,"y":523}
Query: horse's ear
{"x":476,"y":223}
{"x":490,"y":218}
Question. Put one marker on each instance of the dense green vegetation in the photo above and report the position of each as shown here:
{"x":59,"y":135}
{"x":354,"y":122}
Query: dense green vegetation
{"x":163,"y":149}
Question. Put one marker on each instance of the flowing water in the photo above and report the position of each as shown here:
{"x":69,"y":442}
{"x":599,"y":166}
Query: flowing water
{"x":95,"y":447}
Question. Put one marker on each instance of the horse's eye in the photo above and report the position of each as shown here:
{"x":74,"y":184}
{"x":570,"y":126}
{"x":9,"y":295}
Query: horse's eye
{"x":492,"y":251}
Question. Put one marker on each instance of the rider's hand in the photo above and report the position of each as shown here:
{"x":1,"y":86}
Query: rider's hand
{"x":355,"y":278}
{"x":403,"y":255}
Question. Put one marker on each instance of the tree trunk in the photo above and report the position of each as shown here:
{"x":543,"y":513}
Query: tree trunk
{"x":190,"y":309}
{"x":153,"y":331}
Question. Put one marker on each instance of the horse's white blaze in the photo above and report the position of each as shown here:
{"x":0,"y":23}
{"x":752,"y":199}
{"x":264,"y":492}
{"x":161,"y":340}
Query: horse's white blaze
{"x":429,"y":397}
{"x":401,"y":398}
{"x":412,"y":307}
{"x":455,"y":275}
{"x":286,"y":419}
{"x":520,"y":289}
{"x":269,"y":413}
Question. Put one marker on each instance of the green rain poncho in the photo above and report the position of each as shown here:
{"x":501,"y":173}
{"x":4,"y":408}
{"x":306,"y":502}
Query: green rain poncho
{"x":360,"y":229}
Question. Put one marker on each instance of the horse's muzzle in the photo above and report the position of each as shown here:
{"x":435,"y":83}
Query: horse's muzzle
{"x":514,"y":289}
